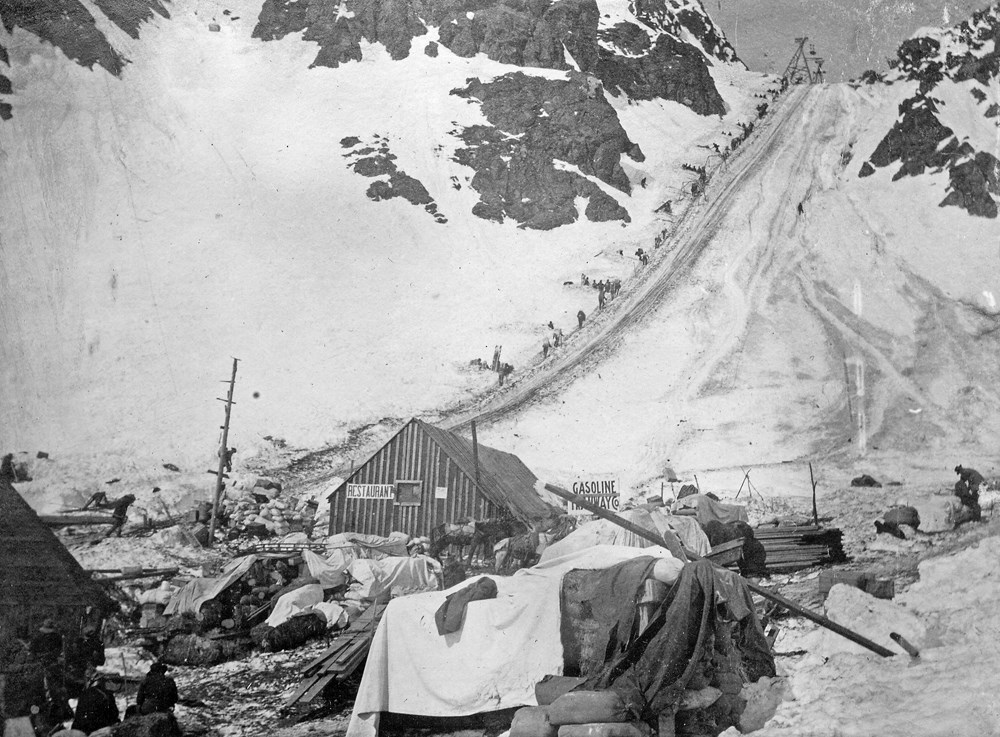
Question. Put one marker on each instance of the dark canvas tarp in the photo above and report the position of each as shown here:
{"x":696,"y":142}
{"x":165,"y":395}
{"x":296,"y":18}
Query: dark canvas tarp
{"x":653,"y":671}
{"x":599,"y":612}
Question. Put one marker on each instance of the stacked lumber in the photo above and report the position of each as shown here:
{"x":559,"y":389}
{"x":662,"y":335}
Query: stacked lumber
{"x":793,"y":547}
{"x":339,"y":661}
{"x":276,"y":547}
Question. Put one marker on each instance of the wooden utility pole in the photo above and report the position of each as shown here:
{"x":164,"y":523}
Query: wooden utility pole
{"x":223,"y":455}
{"x":475,"y":451}
{"x":813,"y":480}
{"x":757,"y":589}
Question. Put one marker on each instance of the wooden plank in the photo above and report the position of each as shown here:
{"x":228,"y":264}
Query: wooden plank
{"x":344,"y":670}
{"x":317,"y":687}
{"x":302,"y":689}
{"x":326,"y":655}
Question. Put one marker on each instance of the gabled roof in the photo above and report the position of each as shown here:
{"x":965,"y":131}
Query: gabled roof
{"x":503,"y":477}
{"x":34,"y":566}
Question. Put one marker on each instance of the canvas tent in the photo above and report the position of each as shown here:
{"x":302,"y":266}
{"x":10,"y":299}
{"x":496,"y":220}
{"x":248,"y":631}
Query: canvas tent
{"x":38,"y":576}
{"x":505,"y":646}
{"x":508,"y":644}
{"x":605,"y":532}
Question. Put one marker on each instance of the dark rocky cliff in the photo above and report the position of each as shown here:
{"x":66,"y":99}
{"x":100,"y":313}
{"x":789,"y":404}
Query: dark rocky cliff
{"x":567,"y":121}
{"x":918,"y":141}
{"x":549,"y":142}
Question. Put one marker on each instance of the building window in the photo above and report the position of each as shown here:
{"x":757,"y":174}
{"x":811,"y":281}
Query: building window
{"x":408,"y":493}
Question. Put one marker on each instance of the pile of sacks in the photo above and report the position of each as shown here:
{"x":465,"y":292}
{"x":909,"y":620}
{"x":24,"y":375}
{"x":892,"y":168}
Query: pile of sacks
{"x":279,"y":514}
{"x":578,"y":714}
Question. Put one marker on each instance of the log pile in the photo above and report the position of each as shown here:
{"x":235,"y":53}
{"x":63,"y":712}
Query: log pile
{"x":339,"y":661}
{"x":791,"y":548}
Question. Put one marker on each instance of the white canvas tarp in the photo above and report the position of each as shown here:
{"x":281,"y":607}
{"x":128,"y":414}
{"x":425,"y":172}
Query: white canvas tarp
{"x":399,"y":575}
{"x":707,"y":509}
{"x":605,"y":532}
{"x":369,"y":546}
{"x":331,"y":571}
{"x":686,"y":528}
{"x":290,"y":604}
{"x":197,"y":591}
{"x":506,"y":645}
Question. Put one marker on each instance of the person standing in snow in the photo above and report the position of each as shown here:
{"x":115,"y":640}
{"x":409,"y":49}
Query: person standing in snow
{"x":557,"y":338}
{"x":546,"y":346}
{"x":157,"y":692}
{"x":96,"y":708}
{"x":7,"y":472}
{"x":580,"y":317}
{"x":83,"y":654}
{"x":600,"y":298}
{"x":967,"y":490}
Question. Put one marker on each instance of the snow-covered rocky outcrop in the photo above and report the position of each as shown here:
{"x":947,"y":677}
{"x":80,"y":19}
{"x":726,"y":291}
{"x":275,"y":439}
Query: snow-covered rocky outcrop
{"x":949,"y":124}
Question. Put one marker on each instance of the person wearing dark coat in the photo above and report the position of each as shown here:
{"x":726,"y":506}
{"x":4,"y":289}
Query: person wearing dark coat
{"x":119,"y":513}
{"x":580,"y":317}
{"x":158,"y":692}
{"x":7,"y":472}
{"x":47,"y":645}
{"x":83,"y":655}
{"x":967,"y":491}
{"x":97,"y":707}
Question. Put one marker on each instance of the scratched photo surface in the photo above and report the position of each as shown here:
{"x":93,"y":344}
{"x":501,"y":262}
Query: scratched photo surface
{"x":455,"y":281}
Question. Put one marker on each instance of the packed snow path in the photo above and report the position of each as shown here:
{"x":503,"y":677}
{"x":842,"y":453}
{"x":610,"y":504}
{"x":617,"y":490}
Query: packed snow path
{"x":748,"y":183}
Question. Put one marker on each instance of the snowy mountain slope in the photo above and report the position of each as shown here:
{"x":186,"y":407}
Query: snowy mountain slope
{"x":949,"y":121}
{"x":857,"y":328}
{"x":205,"y":203}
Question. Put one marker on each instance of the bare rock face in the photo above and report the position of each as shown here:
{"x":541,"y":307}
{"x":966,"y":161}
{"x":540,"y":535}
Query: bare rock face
{"x":669,"y":70}
{"x":129,"y":15}
{"x":535,"y":124}
{"x":561,"y":125}
{"x":645,"y":63}
{"x":376,"y":160}
{"x":69,"y":26}
{"x":919,"y":142}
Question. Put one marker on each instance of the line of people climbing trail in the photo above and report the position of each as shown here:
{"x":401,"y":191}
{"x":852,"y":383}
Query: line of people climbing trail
{"x":607,"y":289}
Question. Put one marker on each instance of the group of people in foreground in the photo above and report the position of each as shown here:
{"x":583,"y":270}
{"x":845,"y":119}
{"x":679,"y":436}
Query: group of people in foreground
{"x":42,"y":675}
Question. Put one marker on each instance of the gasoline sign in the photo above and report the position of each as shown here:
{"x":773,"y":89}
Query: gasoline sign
{"x":603,"y":491}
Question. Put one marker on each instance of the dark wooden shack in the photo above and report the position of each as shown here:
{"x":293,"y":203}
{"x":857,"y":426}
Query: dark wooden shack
{"x":425,"y":476}
{"x":39,"y":579}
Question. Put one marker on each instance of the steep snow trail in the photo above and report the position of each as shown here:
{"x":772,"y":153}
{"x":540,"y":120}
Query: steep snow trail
{"x":697,"y":231}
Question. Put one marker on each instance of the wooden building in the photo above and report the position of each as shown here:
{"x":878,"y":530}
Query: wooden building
{"x":425,"y":476}
{"x":39,"y":579}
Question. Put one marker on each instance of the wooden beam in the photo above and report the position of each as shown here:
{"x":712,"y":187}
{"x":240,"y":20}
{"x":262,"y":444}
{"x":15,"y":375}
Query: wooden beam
{"x":65,"y":520}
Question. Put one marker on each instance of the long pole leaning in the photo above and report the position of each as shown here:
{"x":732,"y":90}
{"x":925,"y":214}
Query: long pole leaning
{"x":223,"y":454}
{"x":787,"y":603}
